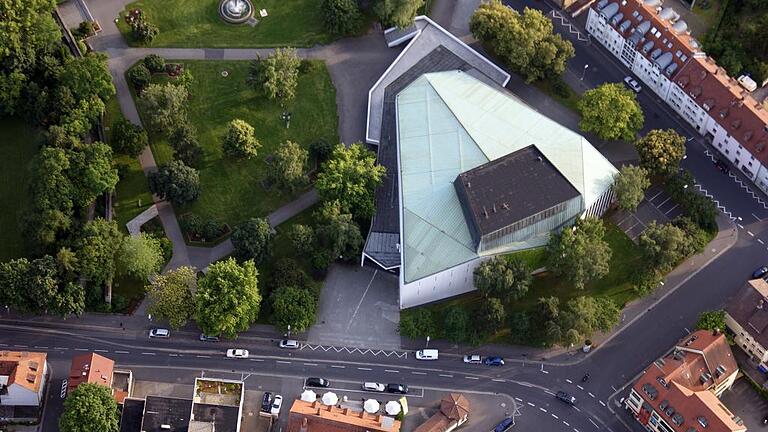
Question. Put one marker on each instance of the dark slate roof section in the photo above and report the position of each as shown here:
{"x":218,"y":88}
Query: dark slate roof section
{"x":225,"y":418}
{"x":159,"y":411}
{"x":387,"y":217}
{"x":514,"y":187}
{"x":395,"y":36}
{"x":130,"y":419}
{"x":749,"y":308}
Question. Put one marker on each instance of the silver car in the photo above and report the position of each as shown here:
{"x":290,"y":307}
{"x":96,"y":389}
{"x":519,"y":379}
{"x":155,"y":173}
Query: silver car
{"x":631,"y":83}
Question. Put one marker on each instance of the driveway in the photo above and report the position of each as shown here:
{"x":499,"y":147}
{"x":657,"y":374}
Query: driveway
{"x":358,"y":308}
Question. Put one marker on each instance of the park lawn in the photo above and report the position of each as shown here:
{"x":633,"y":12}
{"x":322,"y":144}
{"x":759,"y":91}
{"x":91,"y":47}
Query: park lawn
{"x":232,"y":189}
{"x":615,"y":285}
{"x":196,"y":23}
{"x":534,"y":258}
{"x":19,"y":143}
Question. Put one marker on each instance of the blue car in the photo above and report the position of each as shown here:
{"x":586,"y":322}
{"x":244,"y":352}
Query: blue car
{"x":493,"y":361}
{"x":504,"y":425}
{"x":762,"y":271}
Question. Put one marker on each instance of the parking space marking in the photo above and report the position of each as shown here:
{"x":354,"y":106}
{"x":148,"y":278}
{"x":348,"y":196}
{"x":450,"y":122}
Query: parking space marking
{"x":565,"y":423}
{"x":531,"y":404}
{"x":590,"y":393}
{"x":760,"y":241}
{"x":580,"y":387}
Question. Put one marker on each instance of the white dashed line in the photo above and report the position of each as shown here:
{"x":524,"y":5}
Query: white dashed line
{"x":80,"y":349}
{"x":2,"y":344}
{"x":147,"y":353}
{"x":760,"y":241}
{"x":576,"y":430}
{"x":257,"y":360}
{"x":498,"y":380}
{"x":365,"y":369}
{"x":531,"y":404}
{"x":100,"y":350}
{"x":22,"y":346}
{"x":569,"y":381}
{"x":202,"y":356}
{"x":518,"y":399}
{"x":446,"y":376}
{"x":472,"y":378}
{"x":310,"y":364}
{"x":419,"y":373}
{"x":391,"y":371}
{"x":554,"y":416}
{"x":590,"y":394}
{"x":43,"y":347}
{"x":173,"y":355}
{"x":590,"y":420}
{"x":565,"y":423}
{"x":577,"y":409}
{"x":750,"y":233}
{"x":580,"y":387}
{"x":283,"y":362}
{"x":549,"y":392}
{"x":740,"y":225}
{"x":602,"y":403}
{"x":525,"y":384}
{"x":542,"y":409}
{"x":122,"y":352}
{"x":338,"y":367}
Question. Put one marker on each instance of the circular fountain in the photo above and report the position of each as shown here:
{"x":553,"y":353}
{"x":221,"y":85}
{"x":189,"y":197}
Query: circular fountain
{"x":235,"y":11}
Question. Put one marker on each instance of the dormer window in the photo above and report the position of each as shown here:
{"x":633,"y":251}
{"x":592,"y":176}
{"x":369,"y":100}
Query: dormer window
{"x":724,"y":113}
{"x":736,"y":123}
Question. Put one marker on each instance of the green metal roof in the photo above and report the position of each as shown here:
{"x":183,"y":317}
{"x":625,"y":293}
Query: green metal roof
{"x":450,"y":122}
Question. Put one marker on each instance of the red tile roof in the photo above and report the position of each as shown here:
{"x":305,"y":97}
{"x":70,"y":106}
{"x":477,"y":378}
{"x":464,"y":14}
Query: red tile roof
{"x":90,"y":368}
{"x":315,"y":417}
{"x":23,"y":368}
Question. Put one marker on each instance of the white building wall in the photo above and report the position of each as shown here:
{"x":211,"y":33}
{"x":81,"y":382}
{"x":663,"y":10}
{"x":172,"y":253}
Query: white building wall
{"x":439,"y":286}
{"x":20,"y":396}
{"x":688,"y":109}
{"x":745,"y":342}
{"x":653,"y":77}
{"x":604,"y":33}
{"x":733,"y":151}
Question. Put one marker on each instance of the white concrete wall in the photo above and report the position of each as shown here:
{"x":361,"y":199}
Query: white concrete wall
{"x":733,"y":151}
{"x":447,"y":283}
{"x":682,"y":103}
{"x":604,"y":33}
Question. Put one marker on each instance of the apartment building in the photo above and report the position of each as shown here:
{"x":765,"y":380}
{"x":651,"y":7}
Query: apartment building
{"x":23,"y":377}
{"x":746,"y":315}
{"x":657,"y":46}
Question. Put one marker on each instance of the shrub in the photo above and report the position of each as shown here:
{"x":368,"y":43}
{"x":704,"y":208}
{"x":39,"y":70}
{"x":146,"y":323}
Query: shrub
{"x":144,"y":31}
{"x":85,"y":29}
{"x":302,"y":238}
{"x":287,"y":272}
{"x":128,"y":138}
{"x":295,"y":307}
{"x":191,"y":224}
{"x":252,"y":240}
{"x":240,"y":141}
{"x":139,"y":76}
{"x":321,"y":150}
{"x":340,"y":16}
{"x":560,"y":87}
{"x":310,"y":66}
{"x":417,"y":323}
{"x":154,"y":63}
{"x":212,"y":230}
{"x":166,"y":245}
{"x":175,"y":182}
{"x":119,"y":303}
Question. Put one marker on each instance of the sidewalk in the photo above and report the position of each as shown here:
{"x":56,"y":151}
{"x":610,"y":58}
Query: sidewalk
{"x":724,"y":240}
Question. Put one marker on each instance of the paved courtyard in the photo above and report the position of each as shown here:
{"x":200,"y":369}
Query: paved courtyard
{"x":358,"y":308}
{"x":746,"y":403}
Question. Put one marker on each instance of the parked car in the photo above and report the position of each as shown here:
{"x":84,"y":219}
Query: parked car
{"x":266,"y":402}
{"x":631,"y":83}
{"x":160,"y":333}
{"x":504,"y":425}
{"x":565,"y":397}
{"x":374,"y":387}
{"x":722,"y":166}
{"x":760,"y":272}
{"x":204,"y":338}
{"x":427,"y":354}
{"x":318,"y":382}
{"x":493,"y":361}
{"x":289,"y":344}
{"x":276,"y":404}
{"x":397,"y":388}
{"x":237,"y":353}
{"x":473,"y":359}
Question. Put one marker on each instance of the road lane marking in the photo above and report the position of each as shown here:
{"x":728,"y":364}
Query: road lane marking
{"x":391,"y":371}
{"x":554,"y":416}
{"x":2,"y":344}
{"x":338,"y":367}
{"x":283,"y":362}
{"x":590,"y":394}
{"x":542,"y":409}
{"x":576,"y":430}
{"x":365,"y":369}
{"x":525,"y":384}
{"x":472,"y":378}
{"x":419,"y":373}
{"x":498,"y":380}
{"x":531,"y":404}
{"x":614,"y":388}
{"x":22,"y":346}
{"x":518,"y":399}
{"x":760,"y":241}
{"x":740,"y":225}
{"x":577,"y":409}
{"x":147,"y":353}
{"x":122,"y":352}
{"x":580,"y":387}
{"x":602,"y":403}
{"x":446,"y":376}
{"x":43,"y":347}
{"x":80,"y":349}
{"x":310,"y":364}
{"x":565,"y":423}
{"x":549,"y":392}
{"x":202,"y":356}
{"x":590,"y":420}
{"x":257,"y":360}
{"x":173,"y":355}
{"x":100,"y":350}
{"x":750,"y":233}
{"x":569,"y":381}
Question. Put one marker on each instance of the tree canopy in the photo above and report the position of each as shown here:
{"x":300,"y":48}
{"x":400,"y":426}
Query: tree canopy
{"x":337,"y":232}
{"x":128,"y":138}
{"x":140,"y":256}
{"x":397,"y":13}
{"x":287,"y":171}
{"x":175,"y":182}
{"x":165,"y":106}
{"x":630,"y":185}
{"x":579,"y":253}
{"x":240,"y":141}
{"x":711,"y":320}
{"x":228,"y":298}
{"x":351,"y":177}
{"x":661,"y":151}
{"x":340,"y":17}
{"x":252,"y":240}
{"x":97,"y":252}
{"x":90,"y":408}
{"x":277,"y":75}
{"x":526,"y":42}
{"x":37,"y":287}
{"x":294,"y":306}
{"x":663,"y":246}
{"x":170,"y":296}
{"x":502,"y":278}
{"x":611,"y":112}
{"x":88,"y":75}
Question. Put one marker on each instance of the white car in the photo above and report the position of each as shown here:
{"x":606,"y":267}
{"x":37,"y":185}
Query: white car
{"x":237,"y":353}
{"x":631,"y":83}
{"x":276,"y":404}
{"x":289,"y":344}
{"x":160,"y":333}
{"x":374,"y":387}
{"x":474,"y":359}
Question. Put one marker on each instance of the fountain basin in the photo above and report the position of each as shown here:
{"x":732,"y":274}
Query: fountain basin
{"x":235,"y":11}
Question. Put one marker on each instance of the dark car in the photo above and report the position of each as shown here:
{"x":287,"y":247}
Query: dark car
{"x":762,"y":271}
{"x":565,"y":397}
{"x":206,"y":338}
{"x":266,"y":402}
{"x":397,"y":388}
{"x":504,"y":425}
{"x":493,"y":361}
{"x":318,"y":382}
{"x":722,"y":166}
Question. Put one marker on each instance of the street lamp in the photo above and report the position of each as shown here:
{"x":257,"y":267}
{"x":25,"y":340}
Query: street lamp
{"x":427,"y":343}
{"x":287,"y":119}
{"x":584,"y":72}
{"x":289,"y":330}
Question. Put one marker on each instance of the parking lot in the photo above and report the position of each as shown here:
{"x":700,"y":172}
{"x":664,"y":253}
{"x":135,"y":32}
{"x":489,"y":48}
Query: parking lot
{"x":657,"y":206}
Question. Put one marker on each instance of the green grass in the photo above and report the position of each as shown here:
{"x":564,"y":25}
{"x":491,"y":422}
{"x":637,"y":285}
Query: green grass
{"x":231,"y":189}
{"x":196,"y":23}
{"x":534,"y":258}
{"x":19,"y":142}
{"x":615,"y":285}
{"x":708,"y":16}
{"x":569,"y":102}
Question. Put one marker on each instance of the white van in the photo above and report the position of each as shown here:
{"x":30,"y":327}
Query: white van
{"x":426,"y":354}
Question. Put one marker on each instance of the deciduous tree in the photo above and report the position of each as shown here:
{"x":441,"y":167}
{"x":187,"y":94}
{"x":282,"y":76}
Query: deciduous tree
{"x":140,"y":256}
{"x":171,"y":296}
{"x":456,"y":324}
{"x":630,"y":185}
{"x":399,"y":13}
{"x":165,"y":106}
{"x":302,"y":238}
{"x":185,"y":146}
{"x":661,"y":151}
{"x":91,"y":172}
{"x":663,"y":246}
{"x":277,"y":75}
{"x":175,"y":182}
{"x":252,"y":240}
{"x":711,"y":320}
{"x":340,"y":17}
{"x":228,"y":298}
{"x":587,"y":315}
{"x":337,"y":233}
{"x":579,"y":253}
{"x":128,"y":138}
{"x":502,"y":278}
{"x":90,"y":408}
{"x":97,"y":251}
{"x":295,"y":307}
{"x":240,"y":141}
{"x":416,"y":323}
{"x":88,"y":75}
{"x":527,"y":42}
{"x":491,"y":315}
{"x":351,"y":177}
{"x":611,"y":112}
{"x":287,"y":171}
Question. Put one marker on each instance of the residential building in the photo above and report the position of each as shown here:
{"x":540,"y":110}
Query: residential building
{"x":657,"y":46}
{"x":23,"y":377}
{"x":316,"y":417}
{"x":679,"y":391}
{"x":165,"y":414}
{"x":97,"y":369}
{"x":746,"y":315}
{"x":454,"y":412}
{"x":472,"y":171}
